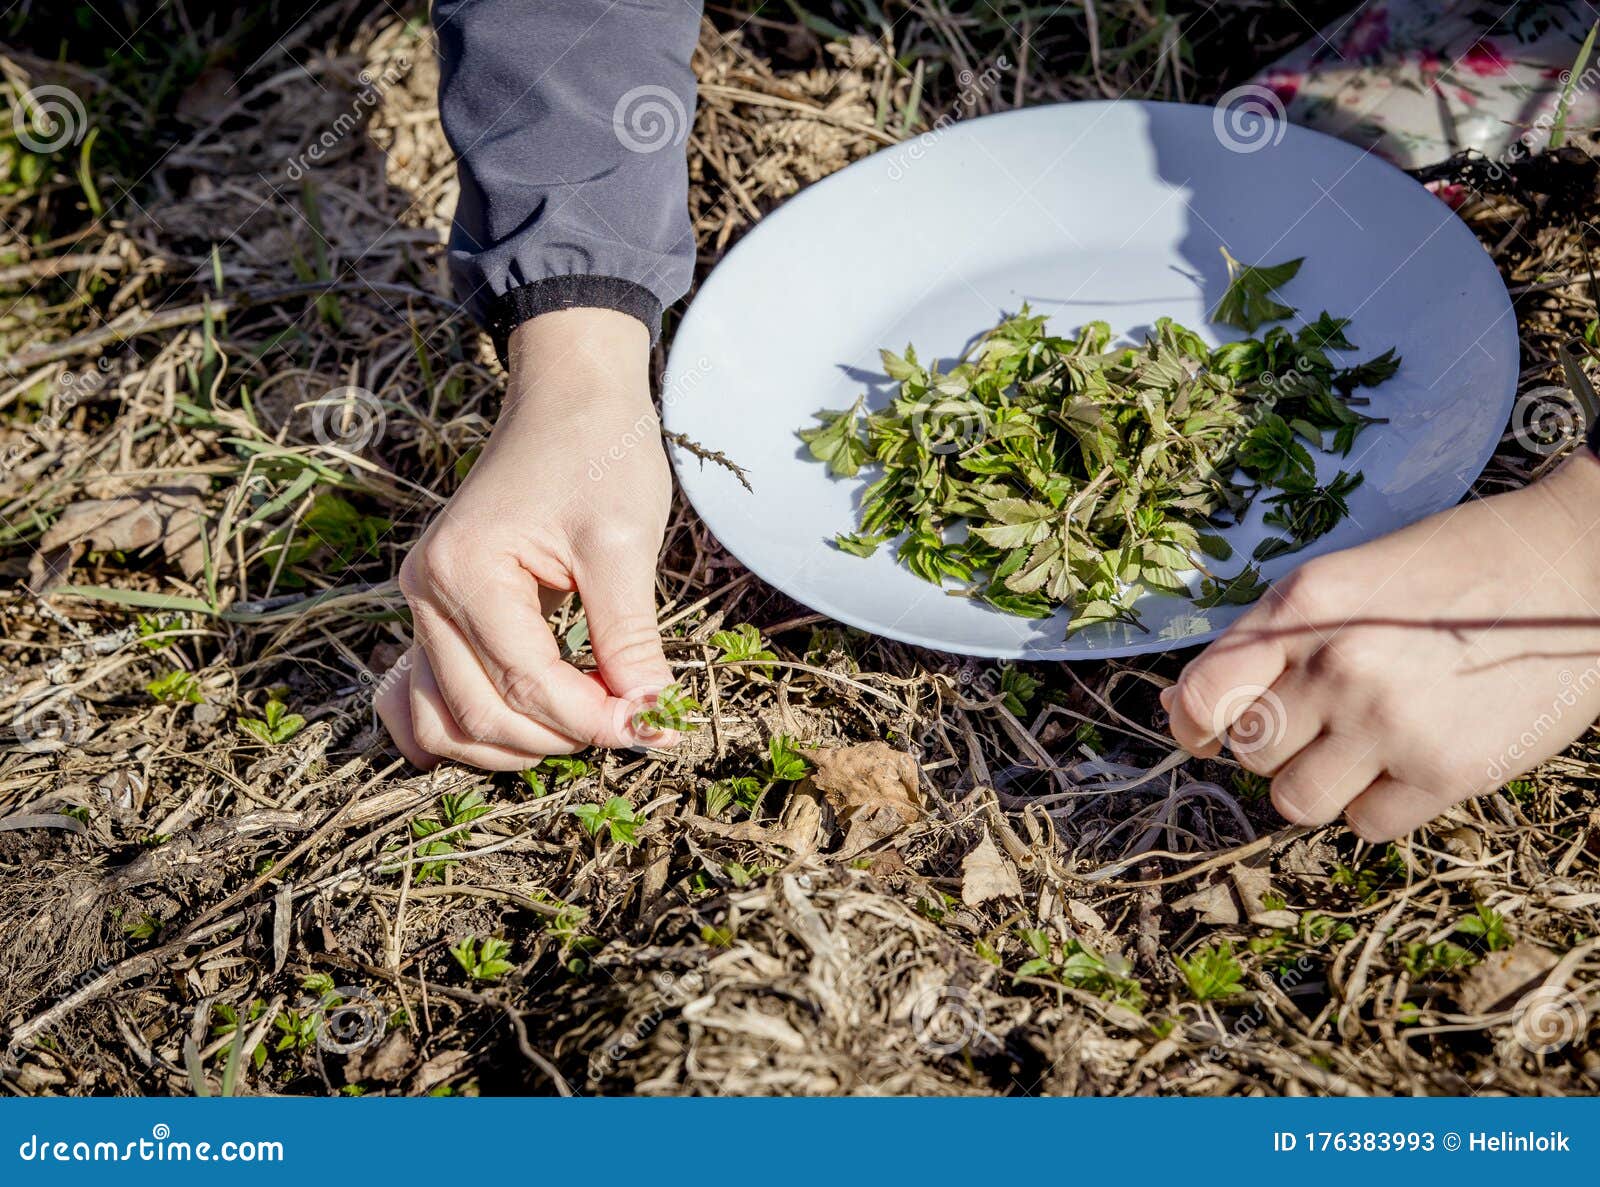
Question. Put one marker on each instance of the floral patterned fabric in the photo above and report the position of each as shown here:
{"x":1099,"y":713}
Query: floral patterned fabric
{"x":1416,"y":80}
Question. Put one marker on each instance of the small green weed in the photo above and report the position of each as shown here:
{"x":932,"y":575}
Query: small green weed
{"x":1080,"y":967}
{"x":176,"y":687}
{"x":1212,"y":972}
{"x":554,"y":772}
{"x":483,"y":960}
{"x":616,"y":814}
{"x":439,"y":837}
{"x":1252,"y":788}
{"x":743,"y":643}
{"x":153,"y":631}
{"x":1017,"y":688}
{"x":1489,"y":927}
{"x":276,"y":724}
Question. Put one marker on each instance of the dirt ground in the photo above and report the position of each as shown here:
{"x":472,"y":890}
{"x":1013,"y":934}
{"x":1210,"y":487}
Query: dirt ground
{"x":234,"y":390}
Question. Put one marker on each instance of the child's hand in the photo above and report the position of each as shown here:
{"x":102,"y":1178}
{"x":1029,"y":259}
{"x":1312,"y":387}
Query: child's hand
{"x":571,"y":492}
{"x":1392,"y":680}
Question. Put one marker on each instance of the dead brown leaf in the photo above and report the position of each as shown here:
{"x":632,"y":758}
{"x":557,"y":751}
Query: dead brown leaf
{"x":1253,"y":885}
{"x":1086,"y":916}
{"x":1213,"y":904}
{"x":1310,"y":857}
{"x":871,"y":786}
{"x":168,"y":515}
{"x":385,"y":1063}
{"x":986,"y":874}
{"x":1500,"y":975}
{"x":803,"y":824}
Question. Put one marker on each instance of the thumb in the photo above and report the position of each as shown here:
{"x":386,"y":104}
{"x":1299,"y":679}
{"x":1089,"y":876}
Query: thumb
{"x":618,"y":590}
{"x":393,"y":703}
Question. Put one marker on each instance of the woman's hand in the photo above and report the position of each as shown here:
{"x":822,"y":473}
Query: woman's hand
{"x":570,"y":493}
{"x":1390,"y":681}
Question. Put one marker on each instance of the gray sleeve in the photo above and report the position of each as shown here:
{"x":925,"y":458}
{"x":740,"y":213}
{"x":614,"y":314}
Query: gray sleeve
{"x":568,"y":119}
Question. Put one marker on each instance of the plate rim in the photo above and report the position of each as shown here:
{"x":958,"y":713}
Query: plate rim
{"x":686,"y":466}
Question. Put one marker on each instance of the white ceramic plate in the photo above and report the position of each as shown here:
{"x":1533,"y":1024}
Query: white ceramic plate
{"x":1109,"y":210}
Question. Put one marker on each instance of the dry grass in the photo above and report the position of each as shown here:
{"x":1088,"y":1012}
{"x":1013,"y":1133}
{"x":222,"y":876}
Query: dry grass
{"x":205,"y":877}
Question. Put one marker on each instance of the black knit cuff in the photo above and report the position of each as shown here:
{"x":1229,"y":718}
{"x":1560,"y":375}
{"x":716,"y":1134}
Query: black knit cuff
{"x":515,"y":306}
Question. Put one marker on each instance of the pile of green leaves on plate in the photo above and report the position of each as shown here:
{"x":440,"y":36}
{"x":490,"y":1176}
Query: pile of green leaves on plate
{"x":1085,"y":474}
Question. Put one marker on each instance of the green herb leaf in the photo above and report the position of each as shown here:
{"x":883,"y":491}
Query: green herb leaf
{"x":838,"y":441}
{"x":1044,"y":472}
{"x":1239,"y":590}
{"x":1248,"y":301}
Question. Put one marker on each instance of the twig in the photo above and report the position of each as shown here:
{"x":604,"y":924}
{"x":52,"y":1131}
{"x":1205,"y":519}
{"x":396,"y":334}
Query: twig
{"x":714,"y":456}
